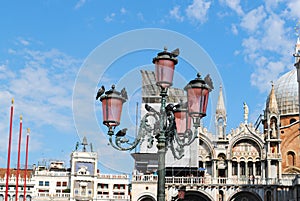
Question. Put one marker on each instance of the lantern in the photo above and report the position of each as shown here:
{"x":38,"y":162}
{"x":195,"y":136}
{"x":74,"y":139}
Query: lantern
{"x":164,"y":67}
{"x":182,"y":119}
{"x":112,"y":103}
{"x":197,"y":95}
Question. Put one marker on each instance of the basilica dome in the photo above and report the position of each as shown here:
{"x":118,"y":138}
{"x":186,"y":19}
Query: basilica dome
{"x":286,"y":92}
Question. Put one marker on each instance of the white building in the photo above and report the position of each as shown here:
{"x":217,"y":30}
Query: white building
{"x":244,"y":164}
{"x":81,"y":182}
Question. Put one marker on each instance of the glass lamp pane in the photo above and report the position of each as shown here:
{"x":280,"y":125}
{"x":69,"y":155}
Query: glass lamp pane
{"x":182,"y":122}
{"x":164,"y":71}
{"x":197,"y":101}
{"x":112,"y":109}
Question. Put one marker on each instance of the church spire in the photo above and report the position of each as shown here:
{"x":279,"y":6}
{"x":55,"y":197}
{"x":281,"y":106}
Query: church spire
{"x":272,"y":106}
{"x":220,"y":119}
{"x":220,"y":109}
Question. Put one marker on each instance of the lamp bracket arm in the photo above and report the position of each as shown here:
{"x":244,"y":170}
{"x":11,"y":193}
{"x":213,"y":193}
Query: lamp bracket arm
{"x":178,"y":152}
{"x":189,"y":135}
{"x":144,"y":130}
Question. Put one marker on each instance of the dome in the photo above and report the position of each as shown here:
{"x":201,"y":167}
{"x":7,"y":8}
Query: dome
{"x":286,"y":92}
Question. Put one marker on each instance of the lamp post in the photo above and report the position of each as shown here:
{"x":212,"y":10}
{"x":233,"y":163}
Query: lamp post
{"x":172,"y":125}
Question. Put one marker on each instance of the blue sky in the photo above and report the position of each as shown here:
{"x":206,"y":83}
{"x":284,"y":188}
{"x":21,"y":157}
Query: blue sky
{"x":44,"y":45}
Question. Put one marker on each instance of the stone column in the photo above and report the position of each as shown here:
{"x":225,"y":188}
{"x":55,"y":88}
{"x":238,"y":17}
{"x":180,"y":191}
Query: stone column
{"x":279,"y":170}
{"x":229,"y":169}
{"x":214,"y":169}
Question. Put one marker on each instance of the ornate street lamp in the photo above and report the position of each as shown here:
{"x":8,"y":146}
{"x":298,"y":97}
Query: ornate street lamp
{"x":172,"y":123}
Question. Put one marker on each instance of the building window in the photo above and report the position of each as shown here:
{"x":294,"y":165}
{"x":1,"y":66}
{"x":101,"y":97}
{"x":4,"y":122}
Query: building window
{"x":200,"y":164}
{"x":103,"y":186}
{"x":76,"y":192}
{"x":291,"y":158}
{"x":58,"y":183}
{"x":243,"y":168}
{"x":41,"y":183}
{"x":46,"y":183}
{"x":250,"y":168}
{"x":64,"y":183}
{"x":269,"y":196}
{"x":234,"y":168}
{"x":119,"y":193}
{"x":292,"y":120}
{"x":257,"y":168}
{"x":119,"y":186}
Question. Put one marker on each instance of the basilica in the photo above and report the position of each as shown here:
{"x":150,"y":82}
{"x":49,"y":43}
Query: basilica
{"x":256,"y":161}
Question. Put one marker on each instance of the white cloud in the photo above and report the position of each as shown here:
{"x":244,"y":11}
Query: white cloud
{"x":175,"y":13}
{"x":251,"y":21}
{"x":234,"y":5}
{"x":234,"y":29}
{"x":267,"y":46}
{"x":262,"y":77}
{"x":79,"y":4}
{"x":123,"y":11}
{"x":43,"y":86}
{"x":294,"y":7}
{"x":110,"y":17}
{"x":197,"y":11}
{"x":140,"y":16}
{"x":24,"y":42}
{"x":274,"y":38}
{"x":41,"y":82}
{"x":272,"y":5}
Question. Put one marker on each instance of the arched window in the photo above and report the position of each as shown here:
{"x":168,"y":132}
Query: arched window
{"x":243,"y":168}
{"x":292,"y":120}
{"x":291,"y":160}
{"x":221,"y":196}
{"x":234,"y":168}
{"x":269,"y":196}
{"x":257,"y":168}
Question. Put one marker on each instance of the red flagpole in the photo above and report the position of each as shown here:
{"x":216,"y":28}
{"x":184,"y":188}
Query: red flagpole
{"x":26,"y":163}
{"x":19,"y":153}
{"x":9,"y":148}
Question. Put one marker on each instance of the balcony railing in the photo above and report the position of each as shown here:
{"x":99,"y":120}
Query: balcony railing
{"x":145,"y":178}
{"x":215,"y":181}
{"x":227,"y":181}
{"x":113,"y":197}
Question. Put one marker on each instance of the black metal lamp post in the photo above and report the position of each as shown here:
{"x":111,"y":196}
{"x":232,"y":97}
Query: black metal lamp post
{"x":167,"y":119}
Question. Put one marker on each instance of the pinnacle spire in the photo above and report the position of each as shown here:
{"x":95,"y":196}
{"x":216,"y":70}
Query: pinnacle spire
{"x":220,"y":109}
{"x":272,"y":105}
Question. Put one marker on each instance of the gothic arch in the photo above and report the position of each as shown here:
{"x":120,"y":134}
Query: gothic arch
{"x":268,"y":195}
{"x":197,"y":195}
{"x":208,"y":143}
{"x":146,"y":198}
{"x":291,"y":158}
{"x":245,"y":196}
{"x":248,"y":138}
{"x":292,"y":170}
